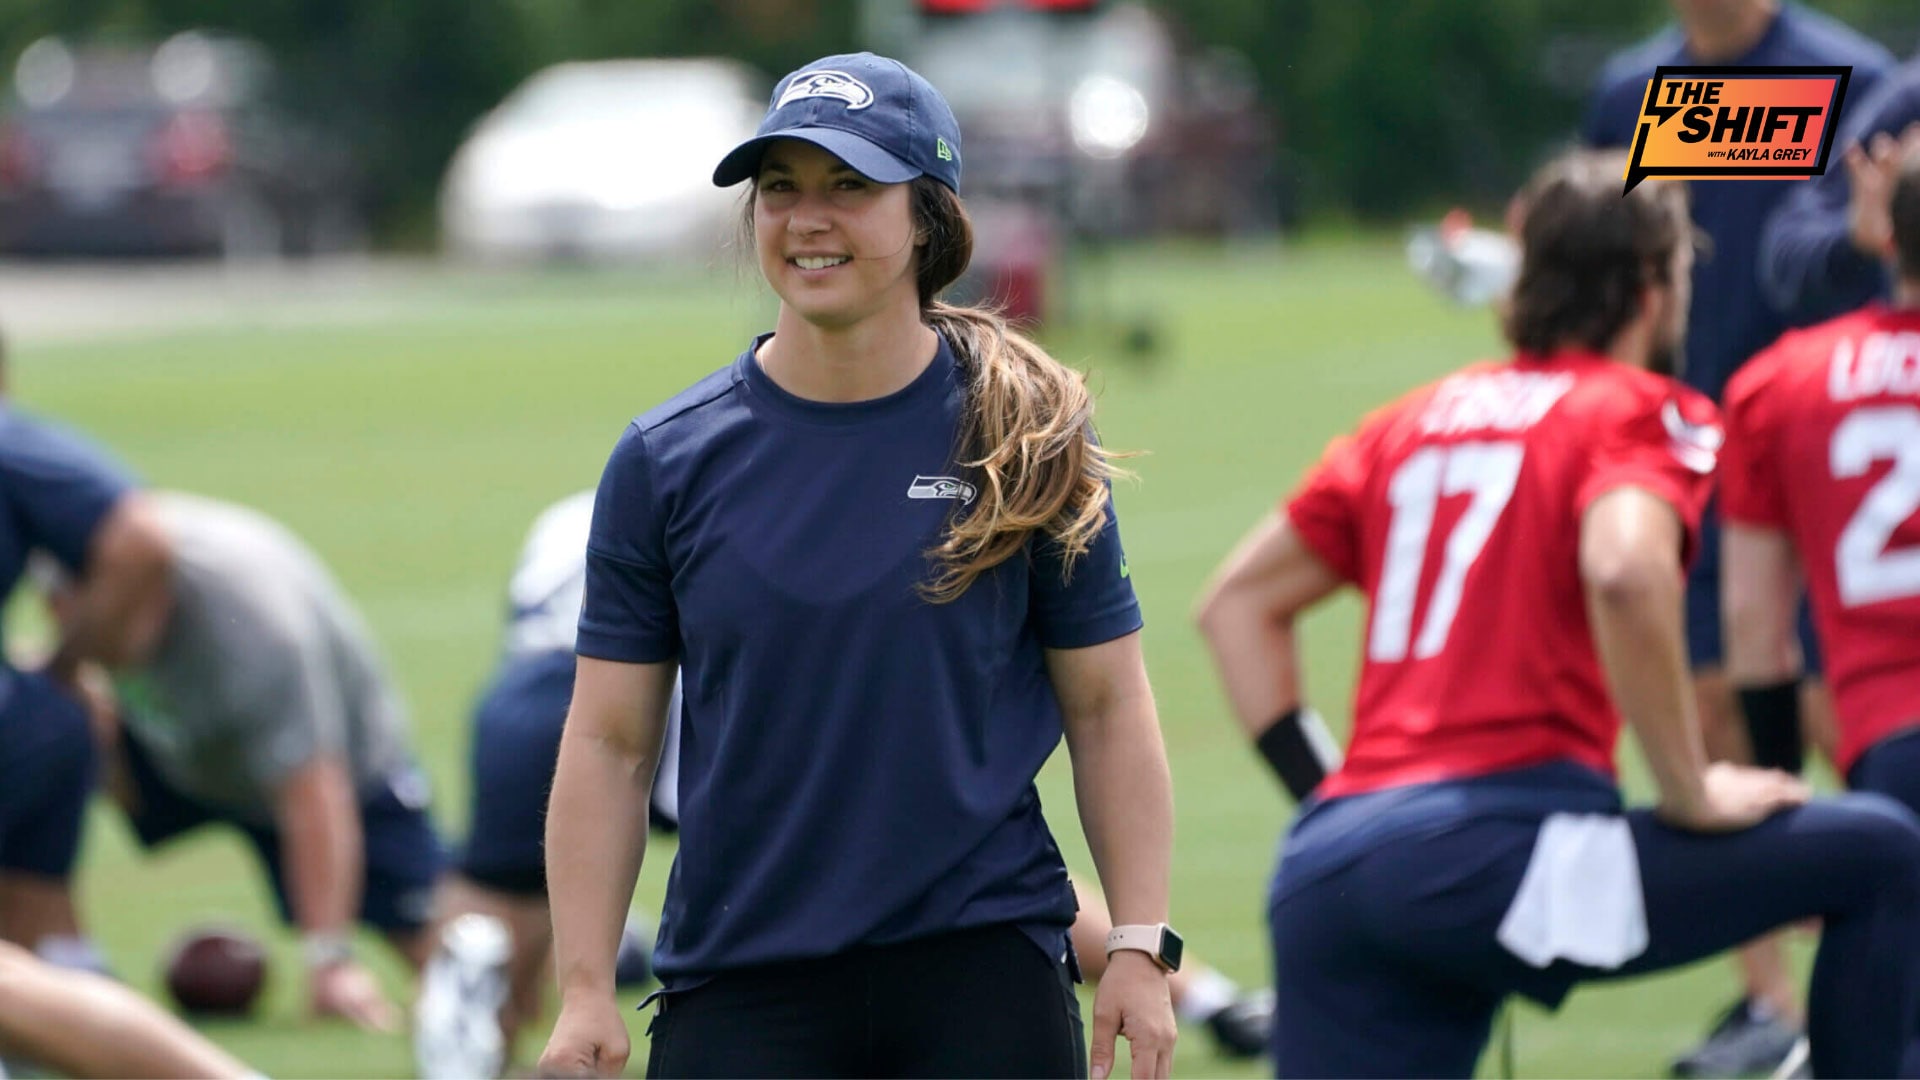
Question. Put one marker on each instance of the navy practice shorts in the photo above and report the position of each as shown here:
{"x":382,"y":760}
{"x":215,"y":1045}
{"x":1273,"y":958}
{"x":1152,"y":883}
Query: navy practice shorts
{"x":516,"y":744}
{"x":404,"y":856}
{"x":977,"y":1002}
{"x":1385,"y":929}
{"x":46,"y":774}
{"x":1891,"y":766}
{"x":1705,"y":648}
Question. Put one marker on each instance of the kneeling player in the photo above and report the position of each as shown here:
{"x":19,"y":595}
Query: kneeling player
{"x":263,"y":704}
{"x":1820,"y":484}
{"x":1520,"y":531}
{"x":69,"y":504}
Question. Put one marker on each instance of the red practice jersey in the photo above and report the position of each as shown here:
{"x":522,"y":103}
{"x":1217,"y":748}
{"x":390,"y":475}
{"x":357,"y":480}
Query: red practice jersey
{"x":1823,"y":443}
{"x":1457,"y":510}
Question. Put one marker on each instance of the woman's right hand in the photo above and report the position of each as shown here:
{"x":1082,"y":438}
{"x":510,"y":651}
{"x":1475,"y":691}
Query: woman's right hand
{"x":589,"y":1039}
{"x":1732,"y":797}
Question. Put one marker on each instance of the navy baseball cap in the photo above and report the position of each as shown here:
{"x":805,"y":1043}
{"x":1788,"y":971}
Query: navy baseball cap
{"x":873,"y":113}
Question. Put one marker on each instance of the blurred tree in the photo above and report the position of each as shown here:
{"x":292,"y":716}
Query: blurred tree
{"x":406,"y":80}
{"x":1393,"y":105}
{"x":1385,"y":106}
{"x":773,"y":35}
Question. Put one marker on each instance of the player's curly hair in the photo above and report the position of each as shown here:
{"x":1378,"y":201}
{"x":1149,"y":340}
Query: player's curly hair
{"x":1027,"y":440}
{"x":1587,"y":252}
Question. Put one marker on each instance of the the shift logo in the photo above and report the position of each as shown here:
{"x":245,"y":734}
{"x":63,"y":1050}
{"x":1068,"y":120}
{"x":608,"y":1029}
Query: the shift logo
{"x":1756,"y":123}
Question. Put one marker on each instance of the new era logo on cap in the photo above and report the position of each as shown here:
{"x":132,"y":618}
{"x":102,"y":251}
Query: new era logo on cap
{"x":827,"y":84}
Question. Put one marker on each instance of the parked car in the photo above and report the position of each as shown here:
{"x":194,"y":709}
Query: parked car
{"x":1106,"y":118}
{"x":603,"y":160}
{"x":175,"y":148}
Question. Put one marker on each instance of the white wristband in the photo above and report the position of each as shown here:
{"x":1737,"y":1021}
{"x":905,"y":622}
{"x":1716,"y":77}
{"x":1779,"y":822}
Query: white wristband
{"x":326,"y":948}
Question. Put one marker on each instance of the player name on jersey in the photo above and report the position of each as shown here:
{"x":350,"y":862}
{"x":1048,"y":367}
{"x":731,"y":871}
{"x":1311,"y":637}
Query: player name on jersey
{"x":1493,"y":401}
{"x":1884,"y":363}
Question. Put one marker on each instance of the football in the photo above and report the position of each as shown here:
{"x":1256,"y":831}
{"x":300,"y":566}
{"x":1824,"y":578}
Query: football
{"x":216,"y":971}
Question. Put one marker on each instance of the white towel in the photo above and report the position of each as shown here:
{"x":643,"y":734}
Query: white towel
{"x":1581,"y":897}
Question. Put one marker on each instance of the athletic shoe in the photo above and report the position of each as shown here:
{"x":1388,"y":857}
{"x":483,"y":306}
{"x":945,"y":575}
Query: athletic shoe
{"x":1748,"y":1041}
{"x":1242,"y":1029}
{"x":456,"y":1022}
{"x":1798,"y":1064}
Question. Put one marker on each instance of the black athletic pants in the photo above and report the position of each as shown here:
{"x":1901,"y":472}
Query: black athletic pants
{"x":982,"y":1002}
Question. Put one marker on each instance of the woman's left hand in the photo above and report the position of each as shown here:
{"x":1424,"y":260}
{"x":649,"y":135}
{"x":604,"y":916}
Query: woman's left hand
{"x":1133,"y":1001}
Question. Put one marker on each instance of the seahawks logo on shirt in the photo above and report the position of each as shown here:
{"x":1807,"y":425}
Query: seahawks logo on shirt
{"x":828,"y":84}
{"x":941,"y":487}
{"x":1697,"y":446}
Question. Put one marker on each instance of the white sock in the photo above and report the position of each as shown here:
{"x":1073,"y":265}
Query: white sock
{"x":1208,"y":992}
{"x":75,"y":952}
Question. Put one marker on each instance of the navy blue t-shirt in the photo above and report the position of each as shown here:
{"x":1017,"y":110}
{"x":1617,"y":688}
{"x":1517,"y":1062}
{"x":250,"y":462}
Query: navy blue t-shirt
{"x":856,"y":763}
{"x":1731,"y":317}
{"x":1808,"y":260}
{"x":55,"y":489}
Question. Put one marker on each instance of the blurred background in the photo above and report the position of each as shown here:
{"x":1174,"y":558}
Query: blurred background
{"x":479,"y":127}
{"x":398,"y":274}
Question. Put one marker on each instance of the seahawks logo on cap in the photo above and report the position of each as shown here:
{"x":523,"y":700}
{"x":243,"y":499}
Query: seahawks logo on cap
{"x":833,"y":84}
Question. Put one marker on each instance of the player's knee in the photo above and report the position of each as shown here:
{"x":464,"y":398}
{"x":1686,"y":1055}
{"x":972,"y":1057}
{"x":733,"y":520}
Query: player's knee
{"x":70,"y":752}
{"x":1886,"y":837}
{"x":54,"y":741}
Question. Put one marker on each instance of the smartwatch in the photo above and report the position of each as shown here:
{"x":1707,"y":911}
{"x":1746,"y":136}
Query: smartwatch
{"x":1158,"y":941}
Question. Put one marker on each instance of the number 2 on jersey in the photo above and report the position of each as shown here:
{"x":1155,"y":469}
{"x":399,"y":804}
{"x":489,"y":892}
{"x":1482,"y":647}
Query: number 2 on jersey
{"x":1487,"y":471}
{"x":1866,"y":565}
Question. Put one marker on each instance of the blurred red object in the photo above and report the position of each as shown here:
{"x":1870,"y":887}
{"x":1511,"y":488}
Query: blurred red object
{"x":1013,"y":255}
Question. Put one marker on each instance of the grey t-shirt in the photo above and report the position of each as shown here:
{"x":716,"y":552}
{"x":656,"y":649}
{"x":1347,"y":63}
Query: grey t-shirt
{"x":263,"y":665}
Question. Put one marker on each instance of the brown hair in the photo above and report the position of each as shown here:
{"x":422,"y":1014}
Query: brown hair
{"x":1587,"y":251}
{"x":1026,"y":441}
{"x":1906,"y":215}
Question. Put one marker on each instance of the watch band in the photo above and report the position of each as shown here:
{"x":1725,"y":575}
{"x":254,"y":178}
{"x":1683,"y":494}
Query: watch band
{"x":326,"y":948}
{"x":1141,"y":938}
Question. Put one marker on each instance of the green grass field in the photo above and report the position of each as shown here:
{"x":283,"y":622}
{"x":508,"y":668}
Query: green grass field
{"x":412,"y":442}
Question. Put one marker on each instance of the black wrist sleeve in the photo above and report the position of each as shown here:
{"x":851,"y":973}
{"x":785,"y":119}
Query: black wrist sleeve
{"x":1773,"y":725}
{"x":1300,"y":750}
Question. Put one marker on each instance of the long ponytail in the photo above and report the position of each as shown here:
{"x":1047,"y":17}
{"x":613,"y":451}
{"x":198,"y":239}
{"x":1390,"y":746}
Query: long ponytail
{"x":1027,"y":438}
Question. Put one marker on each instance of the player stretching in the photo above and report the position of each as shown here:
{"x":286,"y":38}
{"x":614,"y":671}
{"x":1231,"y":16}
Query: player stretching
{"x":1520,"y":530}
{"x":1821,"y":485}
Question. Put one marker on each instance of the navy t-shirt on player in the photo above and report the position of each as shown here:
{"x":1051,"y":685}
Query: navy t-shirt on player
{"x":856,"y":762}
{"x":1731,"y":317}
{"x":55,"y":489}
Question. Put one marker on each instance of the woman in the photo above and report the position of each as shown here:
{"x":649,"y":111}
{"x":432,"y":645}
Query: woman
{"x":880,"y":549}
